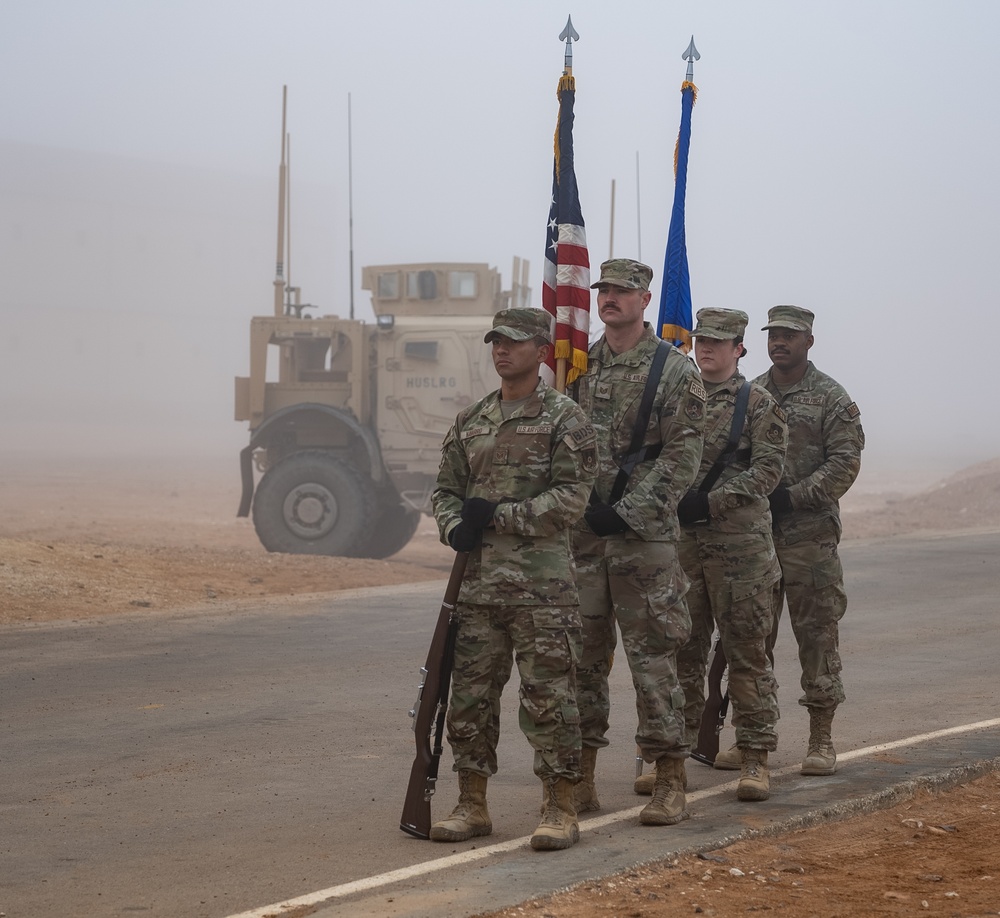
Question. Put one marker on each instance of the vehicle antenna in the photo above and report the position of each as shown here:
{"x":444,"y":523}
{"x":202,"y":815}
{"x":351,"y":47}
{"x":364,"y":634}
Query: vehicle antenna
{"x":350,"y":204}
{"x":279,"y":268}
{"x":291,"y":291}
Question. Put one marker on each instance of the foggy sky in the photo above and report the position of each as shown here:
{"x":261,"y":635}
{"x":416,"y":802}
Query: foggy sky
{"x":843,"y":158}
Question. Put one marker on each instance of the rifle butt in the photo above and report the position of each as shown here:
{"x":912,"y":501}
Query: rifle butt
{"x":713,"y":716}
{"x":708,"y":746}
{"x":416,"y":817}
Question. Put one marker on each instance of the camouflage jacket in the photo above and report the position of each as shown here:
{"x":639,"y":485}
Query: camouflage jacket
{"x":540,"y":464}
{"x":609,"y":393}
{"x":825,"y":439}
{"x":737,"y":501}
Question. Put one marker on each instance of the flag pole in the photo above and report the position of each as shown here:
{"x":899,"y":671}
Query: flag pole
{"x":566,"y":283}
{"x":567,"y":35}
{"x":690,"y":55}
{"x":675,"y":321}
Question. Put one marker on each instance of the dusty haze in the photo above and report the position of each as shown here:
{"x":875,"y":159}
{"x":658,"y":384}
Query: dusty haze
{"x":842,"y":158}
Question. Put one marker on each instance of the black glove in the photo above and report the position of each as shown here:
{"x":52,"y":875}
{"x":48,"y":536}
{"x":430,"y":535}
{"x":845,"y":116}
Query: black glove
{"x":478,"y":512}
{"x":693,"y":508}
{"x":603,"y":520}
{"x":464,"y":537}
{"x":780,"y":501}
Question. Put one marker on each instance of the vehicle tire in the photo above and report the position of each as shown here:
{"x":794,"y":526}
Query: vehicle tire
{"x":393,"y":529}
{"x":311,"y":503}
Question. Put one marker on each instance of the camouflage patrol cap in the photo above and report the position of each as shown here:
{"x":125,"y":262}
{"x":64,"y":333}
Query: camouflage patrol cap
{"x":724,"y":324}
{"x":520,"y":324}
{"x":625,"y":272}
{"x":794,"y":317}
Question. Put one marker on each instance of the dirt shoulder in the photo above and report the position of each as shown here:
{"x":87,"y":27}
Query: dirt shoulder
{"x":87,"y":538}
{"x":94,"y":538}
{"x":933,"y":855}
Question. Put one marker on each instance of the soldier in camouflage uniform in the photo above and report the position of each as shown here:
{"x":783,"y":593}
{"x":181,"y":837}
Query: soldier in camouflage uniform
{"x":825,"y":440}
{"x":626,"y":549}
{"x":727,"y":552}
{"x":516,"y":470}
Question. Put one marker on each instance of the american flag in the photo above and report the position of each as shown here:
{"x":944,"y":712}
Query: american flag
{"x":566,"y":286}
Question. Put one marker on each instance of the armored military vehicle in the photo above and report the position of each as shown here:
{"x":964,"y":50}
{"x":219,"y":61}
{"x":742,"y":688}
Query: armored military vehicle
{"x":347,"y":417}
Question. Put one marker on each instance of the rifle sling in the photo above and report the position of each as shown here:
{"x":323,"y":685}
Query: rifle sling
{"x":637,"y":452}
{"x":735,"y":432}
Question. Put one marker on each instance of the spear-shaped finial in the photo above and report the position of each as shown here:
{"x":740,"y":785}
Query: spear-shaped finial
{"x":569,"y":35}
{"x":691,"y":55}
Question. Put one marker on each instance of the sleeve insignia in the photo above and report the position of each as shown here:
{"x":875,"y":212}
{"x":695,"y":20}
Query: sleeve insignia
{"x":775,"y":434}
{"x":697,"y":389}
{"x":584,"y":435}
{"x":849,"y":411}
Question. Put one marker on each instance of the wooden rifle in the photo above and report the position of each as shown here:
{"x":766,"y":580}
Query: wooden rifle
{"x":430,"y":708}
{"x":713,"y":717}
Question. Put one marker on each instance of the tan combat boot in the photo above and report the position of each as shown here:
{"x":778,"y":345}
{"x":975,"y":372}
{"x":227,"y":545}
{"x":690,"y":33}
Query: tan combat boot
{"x":584,"y":792}
{"x":558,"y":828}
{"x":755,"y":782}
{"x":821,"y":759}
{"x":644,"y":784}
{"x":668,"y":805}
{"x":471,"y":817}
{"x":730,"y":760}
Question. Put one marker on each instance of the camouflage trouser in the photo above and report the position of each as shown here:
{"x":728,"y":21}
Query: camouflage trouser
{"x":545,"y":642}
{"x":732,"y":577}
{"x":641,"y":586}
{"x":812,"y":580}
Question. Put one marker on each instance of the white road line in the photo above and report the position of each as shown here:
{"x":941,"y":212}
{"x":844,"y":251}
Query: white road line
{"x":467,"y":857}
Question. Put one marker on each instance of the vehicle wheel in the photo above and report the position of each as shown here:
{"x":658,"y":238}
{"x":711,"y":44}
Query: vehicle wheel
{"x":393,"y":529}
{"x":311,"y":503}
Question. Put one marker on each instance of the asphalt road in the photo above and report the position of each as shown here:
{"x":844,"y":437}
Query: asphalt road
{"x":207,"y":765}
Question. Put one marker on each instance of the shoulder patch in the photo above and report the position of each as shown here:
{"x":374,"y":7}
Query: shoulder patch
{"x":775,"y":434}
{"x":695,"y":409}
{"x":581,"y":436}
{"x":848,"y":411}
{"x":779,"y":413}
{"x":697,"y":389}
